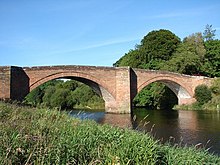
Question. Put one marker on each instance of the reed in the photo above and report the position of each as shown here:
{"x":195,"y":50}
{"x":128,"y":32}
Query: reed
{"x":41,"y":136}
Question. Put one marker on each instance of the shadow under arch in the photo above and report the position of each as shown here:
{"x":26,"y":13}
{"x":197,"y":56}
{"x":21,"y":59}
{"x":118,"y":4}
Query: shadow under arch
{"x":179,"y":89}
{"x":97,"y":85}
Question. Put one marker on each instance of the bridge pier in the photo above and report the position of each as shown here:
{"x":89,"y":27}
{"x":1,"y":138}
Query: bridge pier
{"x":122,"y":103}
{"x":186,"y":101}
{"x":14,"y":83}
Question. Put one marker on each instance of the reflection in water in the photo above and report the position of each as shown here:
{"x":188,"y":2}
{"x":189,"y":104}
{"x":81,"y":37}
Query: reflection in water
{"x":119,"y":120}
{"x":181,"y":127}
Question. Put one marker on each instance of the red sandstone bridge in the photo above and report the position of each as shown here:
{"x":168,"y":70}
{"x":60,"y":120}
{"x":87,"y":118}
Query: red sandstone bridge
{"x":116,"y":85}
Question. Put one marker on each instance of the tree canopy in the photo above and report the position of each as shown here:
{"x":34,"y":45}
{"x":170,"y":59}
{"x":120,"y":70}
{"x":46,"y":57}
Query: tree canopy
{"x":155,"y":48}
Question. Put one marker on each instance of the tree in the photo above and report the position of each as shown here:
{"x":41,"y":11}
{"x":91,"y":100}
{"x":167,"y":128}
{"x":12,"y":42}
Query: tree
{"x":58,"y":99}
{"x":155,"y":48}
{"x":209,"y":33}
{"x":35,"y":97}
{"x":188,"y":57}
{"x":211,"y":66}
{"x":49,"y":91}
{"x":159,"y":45}
{"x":134,"y":59}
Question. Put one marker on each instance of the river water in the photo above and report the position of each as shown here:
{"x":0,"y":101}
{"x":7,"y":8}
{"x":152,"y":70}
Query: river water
{"x":200,"y":128}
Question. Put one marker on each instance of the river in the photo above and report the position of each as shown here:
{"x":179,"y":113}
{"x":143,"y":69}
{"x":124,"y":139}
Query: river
{"x":200,"y":128}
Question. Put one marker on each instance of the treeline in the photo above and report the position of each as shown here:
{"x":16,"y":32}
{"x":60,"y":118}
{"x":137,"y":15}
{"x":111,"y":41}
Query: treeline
{"x":64,"y":95}
{"x":197,"y":54}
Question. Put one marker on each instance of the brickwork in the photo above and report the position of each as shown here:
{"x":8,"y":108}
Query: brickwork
{"x":117,"y":86}
{"x":123,"y":90}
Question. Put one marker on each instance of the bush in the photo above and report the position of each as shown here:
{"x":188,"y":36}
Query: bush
{"x":203,"y":94}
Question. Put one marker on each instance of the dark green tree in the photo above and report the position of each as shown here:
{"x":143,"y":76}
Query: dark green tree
{"x":134,"y":58}
{"x":155,"y":48}
{"x":159,"y":45}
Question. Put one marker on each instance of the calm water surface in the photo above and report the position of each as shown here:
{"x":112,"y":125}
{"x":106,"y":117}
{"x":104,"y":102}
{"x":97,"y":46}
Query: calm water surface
{"x":200,"y":128}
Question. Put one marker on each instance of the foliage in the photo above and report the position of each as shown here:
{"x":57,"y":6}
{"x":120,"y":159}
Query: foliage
{"x":203,"y":94}
{"x":211,"y":65}
{"x":134,"y":59}
{"x":209,"y":33}
{"x":35,"y":97}
{"x":63,"y":95}
{"x":188,"y":56}
{"x":154,"y":96}
{"x":214,"y":103}
{"x":42,"y":136}
{"x":155,"y":47}
{"x":159,"y":45}
{"x":215,"y":87}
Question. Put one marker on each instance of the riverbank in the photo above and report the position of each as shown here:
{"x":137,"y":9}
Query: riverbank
{"x":41,"y":136}
{"x":198,"y":107}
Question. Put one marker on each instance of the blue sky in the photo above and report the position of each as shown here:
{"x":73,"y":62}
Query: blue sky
{"x":92,"y":32}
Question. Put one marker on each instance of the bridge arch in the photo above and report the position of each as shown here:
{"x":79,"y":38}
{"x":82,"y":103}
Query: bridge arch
{"x":182,"y":91}
{"x":97,"y":85}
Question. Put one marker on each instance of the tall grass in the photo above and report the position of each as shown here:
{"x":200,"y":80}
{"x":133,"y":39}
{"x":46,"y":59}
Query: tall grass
{"x":41,"y":136}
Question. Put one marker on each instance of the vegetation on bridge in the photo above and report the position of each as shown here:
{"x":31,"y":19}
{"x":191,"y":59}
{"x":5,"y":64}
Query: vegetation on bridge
{"x":41,"y":136}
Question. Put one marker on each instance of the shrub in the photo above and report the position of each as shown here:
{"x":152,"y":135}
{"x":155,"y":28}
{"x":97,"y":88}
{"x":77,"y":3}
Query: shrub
{"x":203,"y":94}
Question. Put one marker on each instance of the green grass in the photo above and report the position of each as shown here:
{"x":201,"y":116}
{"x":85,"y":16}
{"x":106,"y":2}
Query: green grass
{"x":41,"y":136}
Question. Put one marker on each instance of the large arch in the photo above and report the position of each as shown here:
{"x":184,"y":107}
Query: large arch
{"x":97,"y":85}
{"x":181,"y":91}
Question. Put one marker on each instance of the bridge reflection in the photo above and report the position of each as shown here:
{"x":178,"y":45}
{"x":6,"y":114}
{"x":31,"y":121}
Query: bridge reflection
{"x":119,"y":120}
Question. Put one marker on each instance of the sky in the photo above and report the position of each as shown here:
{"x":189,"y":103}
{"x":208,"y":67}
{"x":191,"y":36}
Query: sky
{"x":93,"y":32}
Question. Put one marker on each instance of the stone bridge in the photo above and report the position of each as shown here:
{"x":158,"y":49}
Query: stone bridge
{"x":116,"y":85}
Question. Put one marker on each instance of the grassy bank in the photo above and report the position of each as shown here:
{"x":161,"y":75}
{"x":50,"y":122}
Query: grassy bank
{"x":40,"y":136}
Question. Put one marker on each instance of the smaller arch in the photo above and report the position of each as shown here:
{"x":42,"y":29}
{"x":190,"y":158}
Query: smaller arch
{"x":181,"y":91}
